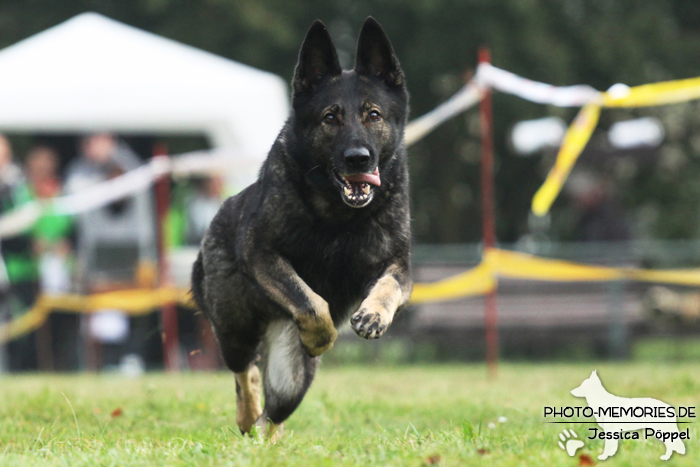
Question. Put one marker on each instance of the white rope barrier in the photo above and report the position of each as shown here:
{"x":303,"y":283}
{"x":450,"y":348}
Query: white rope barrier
{"x":534,"y":91}
{"x":200,"y":163}
{"x":464,"y":99}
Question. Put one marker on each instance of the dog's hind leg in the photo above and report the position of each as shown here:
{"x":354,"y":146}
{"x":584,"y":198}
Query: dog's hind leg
{"x":239,"y":352}
{"x":248,"y":393}
{"x":288,"y":373}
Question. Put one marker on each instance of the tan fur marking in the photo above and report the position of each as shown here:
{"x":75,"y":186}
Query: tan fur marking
{"x":384,"y":298}
{"x":381,"y":304}
{"x":317,"y":332}
{"x":274,"y":432}
{"x":316,"y":329}
{"x":248,"y":401}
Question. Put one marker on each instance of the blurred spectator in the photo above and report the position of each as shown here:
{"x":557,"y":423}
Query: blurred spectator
{"x":115,"y":239}
{"x":101,"y":154}
{"x":20,"y":268}
{"x":603,"y":218}
{"x":194,"y":204}
{"x":116,"y":244}
{"x":202,"y":206}
{"x":51,"y":234}
{"x":52,"y":238}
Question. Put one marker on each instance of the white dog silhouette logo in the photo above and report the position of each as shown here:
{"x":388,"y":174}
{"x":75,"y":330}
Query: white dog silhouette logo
{"x":617,"y":415}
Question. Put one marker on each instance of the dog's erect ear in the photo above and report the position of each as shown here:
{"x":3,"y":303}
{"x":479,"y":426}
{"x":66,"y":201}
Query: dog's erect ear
{"x":375,"y":56}
{"x":317,"y":59}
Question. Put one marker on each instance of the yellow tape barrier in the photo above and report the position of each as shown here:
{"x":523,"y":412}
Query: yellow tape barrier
{"x":508,"y":264}
{"x":477,"y":281}
{"x":474,"y":282}
{"x":648,"y":95}
{"x":133,"y":302}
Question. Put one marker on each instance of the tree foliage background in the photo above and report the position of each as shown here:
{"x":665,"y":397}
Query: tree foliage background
{"x":596,"y":42}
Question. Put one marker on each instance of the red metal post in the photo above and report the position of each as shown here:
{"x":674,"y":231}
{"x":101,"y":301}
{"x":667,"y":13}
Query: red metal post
{"x":488,"y":217}
{"x":171,"y":345}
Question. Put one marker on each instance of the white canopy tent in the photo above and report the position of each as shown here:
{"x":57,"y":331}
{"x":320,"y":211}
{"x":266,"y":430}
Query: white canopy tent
{"x":92,"y":73}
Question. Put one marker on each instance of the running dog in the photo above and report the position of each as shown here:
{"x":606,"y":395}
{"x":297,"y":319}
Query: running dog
{"x":321,"y":235}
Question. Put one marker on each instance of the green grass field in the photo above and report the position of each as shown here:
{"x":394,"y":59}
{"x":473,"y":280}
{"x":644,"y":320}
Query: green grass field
{"x":373,"y":415}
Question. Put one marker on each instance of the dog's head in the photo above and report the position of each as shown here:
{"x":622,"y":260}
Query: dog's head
{"x":589,"y":387}
{"x":348,"y":124}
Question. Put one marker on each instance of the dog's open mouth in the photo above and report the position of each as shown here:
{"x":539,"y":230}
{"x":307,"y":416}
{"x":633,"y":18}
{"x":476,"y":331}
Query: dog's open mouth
{"x":358,"y":189}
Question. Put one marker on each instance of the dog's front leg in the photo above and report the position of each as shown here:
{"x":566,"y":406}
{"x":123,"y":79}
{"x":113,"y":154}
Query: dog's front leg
{"x":309,"y":310}
{"x":376,"y":312}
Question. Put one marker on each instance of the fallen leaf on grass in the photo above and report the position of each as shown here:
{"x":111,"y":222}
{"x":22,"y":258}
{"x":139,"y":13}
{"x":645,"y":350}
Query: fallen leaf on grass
{"x":433,"y":460}
{"x":584,"y":460}
{"x":117,"y":412}
{"x":483,"y":451}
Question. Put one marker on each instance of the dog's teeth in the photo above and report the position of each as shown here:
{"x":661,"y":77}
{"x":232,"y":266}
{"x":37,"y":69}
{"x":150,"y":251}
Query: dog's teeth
{"x":347,"y":190}
{"x":365,"y":188}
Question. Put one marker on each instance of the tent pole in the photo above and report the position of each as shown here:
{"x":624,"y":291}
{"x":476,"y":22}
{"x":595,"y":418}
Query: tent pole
{"x":488,"y":217}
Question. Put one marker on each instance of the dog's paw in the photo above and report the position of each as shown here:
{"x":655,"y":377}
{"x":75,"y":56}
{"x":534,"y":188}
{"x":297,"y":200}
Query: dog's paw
{"x":370,"y":323}
{"x":317,"y":336}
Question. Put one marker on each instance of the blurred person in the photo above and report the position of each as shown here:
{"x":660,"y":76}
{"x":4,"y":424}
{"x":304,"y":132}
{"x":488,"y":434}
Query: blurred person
{"x":101,"y":154}
{"x":113,"y":241}
{"x":52,"y":238}
{"x":114,"y":238}
{"x":603,"y":217}
{"x":195,"y":332}
{"x":52,"y":233}
{"x":20,"y":268}
{"x":202,"y":206}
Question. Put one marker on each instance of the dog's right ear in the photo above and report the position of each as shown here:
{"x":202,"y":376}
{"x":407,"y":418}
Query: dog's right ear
{"x":318,"y":59}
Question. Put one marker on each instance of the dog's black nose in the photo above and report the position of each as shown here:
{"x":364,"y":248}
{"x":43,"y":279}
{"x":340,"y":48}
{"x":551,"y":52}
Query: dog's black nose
{"x":357,"y":158}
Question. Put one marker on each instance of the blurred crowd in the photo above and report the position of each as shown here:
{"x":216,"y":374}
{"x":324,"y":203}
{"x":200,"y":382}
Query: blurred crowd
{"x":109,"y":248}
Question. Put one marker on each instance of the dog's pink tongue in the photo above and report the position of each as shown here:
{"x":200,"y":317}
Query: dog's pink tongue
{"x":372,"y":179}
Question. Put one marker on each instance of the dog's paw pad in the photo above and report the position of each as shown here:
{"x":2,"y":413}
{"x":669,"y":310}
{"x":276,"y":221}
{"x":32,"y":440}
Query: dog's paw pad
{"x":570,"y":442}
{"x":368,"y":324}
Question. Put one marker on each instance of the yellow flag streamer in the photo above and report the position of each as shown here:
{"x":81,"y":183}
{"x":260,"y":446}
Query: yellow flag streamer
{"x":575,"y":140}
{"x":648,"y":95}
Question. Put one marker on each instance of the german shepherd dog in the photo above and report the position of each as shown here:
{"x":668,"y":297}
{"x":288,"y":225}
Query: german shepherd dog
{"x":322,"y":234}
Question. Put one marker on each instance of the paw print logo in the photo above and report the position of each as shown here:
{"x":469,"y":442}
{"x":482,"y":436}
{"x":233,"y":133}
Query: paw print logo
{"x":570,"y":442}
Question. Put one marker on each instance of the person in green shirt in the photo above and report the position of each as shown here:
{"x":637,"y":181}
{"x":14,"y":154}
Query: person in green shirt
{"x":19,"y":288}
{"x":52,"y":244}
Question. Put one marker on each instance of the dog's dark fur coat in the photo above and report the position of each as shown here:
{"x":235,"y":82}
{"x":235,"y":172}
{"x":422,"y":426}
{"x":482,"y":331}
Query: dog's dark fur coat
{"x":315,"y":239}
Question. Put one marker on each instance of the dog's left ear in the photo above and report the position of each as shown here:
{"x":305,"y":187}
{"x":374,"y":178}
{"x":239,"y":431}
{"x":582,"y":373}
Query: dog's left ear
{"x":375,"y":56}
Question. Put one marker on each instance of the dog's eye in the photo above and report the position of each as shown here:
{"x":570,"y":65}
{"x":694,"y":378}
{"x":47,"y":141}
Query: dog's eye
{"x":375,"y":116}
{"x":329,"y":118}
